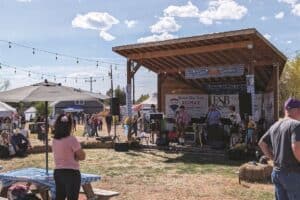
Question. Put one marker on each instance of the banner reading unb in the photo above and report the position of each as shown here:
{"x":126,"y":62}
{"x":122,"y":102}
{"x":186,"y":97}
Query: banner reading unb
{"x":222,"y":102}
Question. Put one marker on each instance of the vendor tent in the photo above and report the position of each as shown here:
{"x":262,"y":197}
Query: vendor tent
{"x":6,"y":110}
{"x":30,"y":113}
{"x":147,"y":103}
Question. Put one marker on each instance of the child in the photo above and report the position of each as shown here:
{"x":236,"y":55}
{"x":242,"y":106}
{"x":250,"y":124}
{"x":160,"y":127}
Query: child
{"x":251,"y":126}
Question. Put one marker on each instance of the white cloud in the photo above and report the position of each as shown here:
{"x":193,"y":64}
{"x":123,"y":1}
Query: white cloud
{"x":291,"y":2}
{"x":279,"y":15}
{"x":296,"y":9}
{"x":164,"y":25}
{"x":263,"y":18}
{"x":96,"y":21}
{"x":24,"y":1}
{"x":130,"y":23}
{"x":289,"y":42}
{"x":267,"y":36}
{"x":106,"y":36}
{"x":188,"y":10}
{"x":221,"y":10}
{"x":163,"y":36}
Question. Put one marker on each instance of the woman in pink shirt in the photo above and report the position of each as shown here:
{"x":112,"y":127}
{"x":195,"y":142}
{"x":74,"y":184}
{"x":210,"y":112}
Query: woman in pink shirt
{"x":67,"y":153}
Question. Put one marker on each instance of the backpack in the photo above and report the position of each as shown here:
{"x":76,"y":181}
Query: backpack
{"x":4,"y":152}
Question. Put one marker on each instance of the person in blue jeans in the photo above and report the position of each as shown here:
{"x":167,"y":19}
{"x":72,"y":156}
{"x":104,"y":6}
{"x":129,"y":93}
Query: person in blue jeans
{"x":281,"y":143}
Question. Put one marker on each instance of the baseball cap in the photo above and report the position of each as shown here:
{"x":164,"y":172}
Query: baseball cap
{"x":292,"y":103}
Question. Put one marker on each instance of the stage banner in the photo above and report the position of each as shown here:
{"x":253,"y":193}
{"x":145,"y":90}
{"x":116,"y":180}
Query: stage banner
{"x":258,"y":107}
{"x":224,"y":101}
{"x":214,"y":72}
{"x":268,"y":107}
{"x":196,"y":105}
{"x":128,"y":100}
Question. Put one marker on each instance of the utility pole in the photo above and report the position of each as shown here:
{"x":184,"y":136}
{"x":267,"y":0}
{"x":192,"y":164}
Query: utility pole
{"x":111,"y":103}
{"x":91,"y":83}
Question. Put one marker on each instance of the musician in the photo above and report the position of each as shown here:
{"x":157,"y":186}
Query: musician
{"x":235,"y":119}
{"x":213,"y":124}
{"x":182,"y":120}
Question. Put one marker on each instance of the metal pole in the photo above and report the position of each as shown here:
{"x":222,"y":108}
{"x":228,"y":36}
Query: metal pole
{"x":46,"y":129}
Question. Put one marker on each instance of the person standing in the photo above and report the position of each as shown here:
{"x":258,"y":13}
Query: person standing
{"x":235,"y":119}
{"x":182,"y":120}
{"x":213,"y":124}
{"x":108,"y":120}
{"x":67,"y":153}
{"x":281,"y":143}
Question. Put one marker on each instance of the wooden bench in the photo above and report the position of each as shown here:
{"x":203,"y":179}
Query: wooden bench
{"x":101,"y":194}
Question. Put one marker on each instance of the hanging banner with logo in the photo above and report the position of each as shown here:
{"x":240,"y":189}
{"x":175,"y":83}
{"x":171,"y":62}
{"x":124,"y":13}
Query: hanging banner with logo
{"x":128,"y":100}
{"x":268,"y":107}
{"x":196,"y":105}
{"x":214,"y":72}
{"x":223,"y":102}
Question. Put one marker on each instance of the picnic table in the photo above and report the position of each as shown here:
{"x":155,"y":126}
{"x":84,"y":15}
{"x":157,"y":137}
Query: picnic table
{"x":44,"y":182}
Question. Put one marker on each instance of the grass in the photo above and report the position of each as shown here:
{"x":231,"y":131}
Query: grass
{"x":160,"y":175}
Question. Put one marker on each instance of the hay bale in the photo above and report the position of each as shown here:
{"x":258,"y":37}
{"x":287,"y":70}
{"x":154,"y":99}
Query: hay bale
{"x":255,"y":172}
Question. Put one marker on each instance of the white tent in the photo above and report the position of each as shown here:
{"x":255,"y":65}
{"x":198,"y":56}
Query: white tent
{"x":30,"y":113}
{"x":6,"y":110}
{"x":145,"y":105}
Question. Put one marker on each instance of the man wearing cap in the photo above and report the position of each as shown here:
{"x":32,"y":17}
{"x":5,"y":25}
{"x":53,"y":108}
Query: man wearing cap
{"x":281,"y":143}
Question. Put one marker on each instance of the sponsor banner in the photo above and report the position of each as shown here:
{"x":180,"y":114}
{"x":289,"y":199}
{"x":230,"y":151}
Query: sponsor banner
{"x":195,"y":105}
{"x":128,"y":100}
{"x":214,"y":72}
{"x":222,"y":102}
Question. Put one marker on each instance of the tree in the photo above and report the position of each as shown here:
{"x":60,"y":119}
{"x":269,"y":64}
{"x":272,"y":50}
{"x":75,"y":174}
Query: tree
{"x":40,"y":108}
{"x":142,"y":98}
{"x":118,"y":93}
{"x":290,"y":80}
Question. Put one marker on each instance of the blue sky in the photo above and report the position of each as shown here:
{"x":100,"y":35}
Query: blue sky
{"x":90,"y":28}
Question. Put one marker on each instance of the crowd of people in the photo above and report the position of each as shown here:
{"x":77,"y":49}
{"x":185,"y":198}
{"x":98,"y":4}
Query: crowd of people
{"x":15,"y":142}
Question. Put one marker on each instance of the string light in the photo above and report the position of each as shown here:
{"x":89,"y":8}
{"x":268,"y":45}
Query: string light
{"x":42,"y":75}
{"x":77,"y":61}
{"x":97,"y":64}
{"x":34,"y":50}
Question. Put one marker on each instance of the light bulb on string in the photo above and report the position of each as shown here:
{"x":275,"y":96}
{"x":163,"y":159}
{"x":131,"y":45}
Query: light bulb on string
{"x":29,"y":74}
{"x":9,"y":44}
{"x":33,"y":51}
{"x":97,"y":64}
{"x":77,"y":61}
{"x":15,"y":71}
{"x":56,"y":57}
